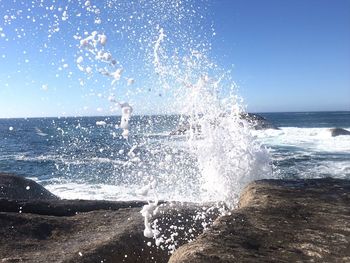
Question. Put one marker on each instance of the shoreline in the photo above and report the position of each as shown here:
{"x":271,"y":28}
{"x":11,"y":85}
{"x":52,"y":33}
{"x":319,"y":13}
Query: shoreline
{"x":276,"y":221}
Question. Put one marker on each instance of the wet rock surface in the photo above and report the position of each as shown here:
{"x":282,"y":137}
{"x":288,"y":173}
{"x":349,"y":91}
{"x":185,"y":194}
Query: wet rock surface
{"x":258,"y":122}
{"x":276,"y":221}
{"x":279,"y":221}
{"x":96,"y":236}
{"x":113,"y":235}
{"x":18,"y":187}
{"x":53,"y":230}
{"x":339,"y":131}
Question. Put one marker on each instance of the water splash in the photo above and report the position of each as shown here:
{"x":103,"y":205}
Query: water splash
{"x":227,"y":156}
{"x":125,"y":50}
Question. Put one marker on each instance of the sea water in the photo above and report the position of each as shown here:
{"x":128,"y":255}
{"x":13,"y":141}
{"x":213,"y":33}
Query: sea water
{"x":304,"y":147}
{"x":77,"y":158}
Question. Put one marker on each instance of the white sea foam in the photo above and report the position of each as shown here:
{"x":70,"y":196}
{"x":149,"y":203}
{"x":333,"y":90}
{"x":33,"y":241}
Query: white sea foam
{"x":101,"y":123}
{"x":312,"y":139}
{"x":311,"y":152}
{"x":71,"y":190}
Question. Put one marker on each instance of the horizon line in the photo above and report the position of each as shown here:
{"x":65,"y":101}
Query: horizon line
{"x":155,"y":114}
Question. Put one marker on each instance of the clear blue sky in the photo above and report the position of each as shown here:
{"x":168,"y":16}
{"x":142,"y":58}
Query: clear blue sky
{"x":291,"y":55}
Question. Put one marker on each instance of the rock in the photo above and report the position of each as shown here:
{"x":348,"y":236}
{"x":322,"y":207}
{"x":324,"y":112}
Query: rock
{"x":181,"y":130}
{"x":110,"y":232}
{"x":19,"y":188}
{"x":339,"y":131}
{"x":279,"y":221}
{"x":54,"y":230}
{"x":96,"y":236}
{"x":256,"y":121}
{"x":64,"y":207}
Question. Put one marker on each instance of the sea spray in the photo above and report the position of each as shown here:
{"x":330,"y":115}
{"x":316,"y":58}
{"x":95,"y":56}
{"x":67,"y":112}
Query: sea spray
{"x":225,"y":155}
{"x":124,"y":123}
{"x":228,"y":155}
{"x":153,"y":55}
{"x":219,"y":139}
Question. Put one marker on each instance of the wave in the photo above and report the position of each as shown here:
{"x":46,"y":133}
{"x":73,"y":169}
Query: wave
{"x":310,"y":139}
{"x":157,"y":134}
{"x":59,"y":159}
{"x":73,"y":190}
{"x":67,"y":189}
{"x":307,"y":152}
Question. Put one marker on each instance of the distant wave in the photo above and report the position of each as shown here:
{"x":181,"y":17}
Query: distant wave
{"x":312,"y":139}
{"x":73,"y":190}
{"x":60,"y":159}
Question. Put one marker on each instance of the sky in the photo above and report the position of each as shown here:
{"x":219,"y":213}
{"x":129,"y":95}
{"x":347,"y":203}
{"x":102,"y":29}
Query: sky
{"x":291,"y":55}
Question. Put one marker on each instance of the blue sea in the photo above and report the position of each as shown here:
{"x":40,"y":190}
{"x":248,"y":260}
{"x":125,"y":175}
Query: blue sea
{"x":87,"y":158}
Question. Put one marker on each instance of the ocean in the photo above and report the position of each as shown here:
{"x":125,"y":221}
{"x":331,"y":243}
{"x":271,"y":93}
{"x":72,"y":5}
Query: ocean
{"x":87,"y":157}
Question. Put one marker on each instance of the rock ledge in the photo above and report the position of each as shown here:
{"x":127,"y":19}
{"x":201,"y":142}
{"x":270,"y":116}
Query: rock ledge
{"x":279,"y":221}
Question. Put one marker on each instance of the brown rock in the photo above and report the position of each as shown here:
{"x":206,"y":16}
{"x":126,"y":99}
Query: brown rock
{"x":279,"y":221}
{"x":39,"y":227}
{"x":98,"y":235}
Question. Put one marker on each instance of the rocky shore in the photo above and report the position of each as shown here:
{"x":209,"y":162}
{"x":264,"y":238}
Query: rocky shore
{"x":36,"y":226}
{"x":279,"y":221}
{"x":276,"y":221}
